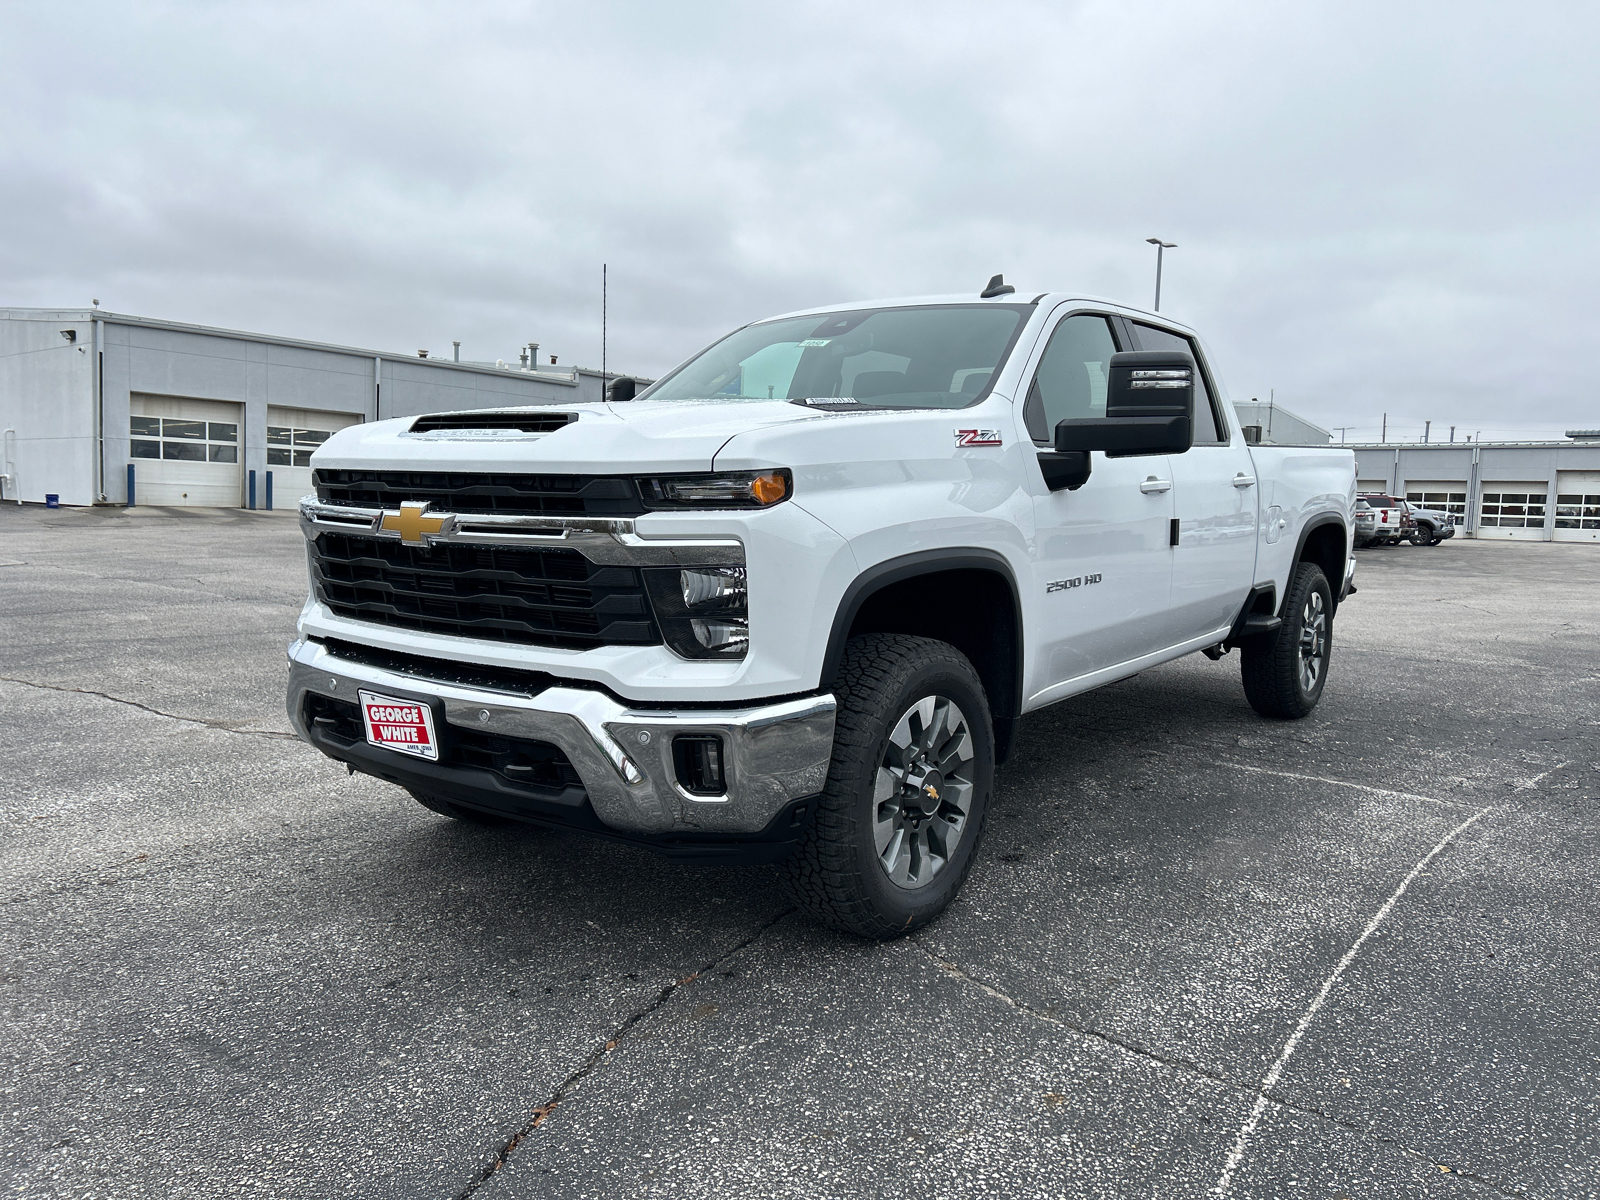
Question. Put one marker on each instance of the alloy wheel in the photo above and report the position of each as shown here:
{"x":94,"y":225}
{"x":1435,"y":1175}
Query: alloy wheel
{"x":924,"y":791}
{"x":1313,"y":642}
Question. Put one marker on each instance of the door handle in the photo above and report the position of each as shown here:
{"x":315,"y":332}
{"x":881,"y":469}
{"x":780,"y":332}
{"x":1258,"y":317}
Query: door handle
{"x":1152,"y":484}
{"x":1241,"y":480}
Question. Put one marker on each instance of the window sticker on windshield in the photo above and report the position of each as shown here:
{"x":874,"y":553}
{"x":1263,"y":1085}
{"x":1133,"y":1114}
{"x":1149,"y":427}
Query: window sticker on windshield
{"x":814,"y":342}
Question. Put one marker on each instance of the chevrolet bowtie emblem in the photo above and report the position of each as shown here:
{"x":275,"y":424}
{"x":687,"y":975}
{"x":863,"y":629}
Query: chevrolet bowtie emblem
{"x":933,"y":792}
{"x":413,"y":523}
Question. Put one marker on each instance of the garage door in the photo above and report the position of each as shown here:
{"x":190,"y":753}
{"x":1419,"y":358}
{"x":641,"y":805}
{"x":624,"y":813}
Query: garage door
{"x":292,"y":434}
{"x":1445,"y":495}
{"x":1373,"y":485}
{"x":185,"y":452}
{"x":1578,"y":506}
{"x":1513,"y":510}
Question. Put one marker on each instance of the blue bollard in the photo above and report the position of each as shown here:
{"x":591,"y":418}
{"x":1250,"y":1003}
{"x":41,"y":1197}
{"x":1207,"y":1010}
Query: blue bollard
{"x":252,"y":488}
{"x":269,"y":491}
{"x":130,"y":485}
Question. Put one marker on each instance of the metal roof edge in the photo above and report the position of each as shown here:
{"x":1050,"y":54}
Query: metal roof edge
{"x":111,"y":318}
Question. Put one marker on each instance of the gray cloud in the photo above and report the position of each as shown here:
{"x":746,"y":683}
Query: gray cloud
{"x":1379,"y":208}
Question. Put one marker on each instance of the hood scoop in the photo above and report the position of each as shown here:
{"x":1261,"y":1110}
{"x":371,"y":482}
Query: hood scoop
{"x":492,"y":424}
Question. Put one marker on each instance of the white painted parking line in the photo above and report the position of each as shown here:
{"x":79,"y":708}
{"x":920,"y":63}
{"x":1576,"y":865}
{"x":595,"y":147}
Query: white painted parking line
{"x":1364,"y":787}
{"x":1248,"y":1129}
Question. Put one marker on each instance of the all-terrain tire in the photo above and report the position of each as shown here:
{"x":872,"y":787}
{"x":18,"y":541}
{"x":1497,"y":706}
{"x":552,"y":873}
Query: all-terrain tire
{"x":458,"y":812}
{"x":1273,"y":665}
{"x":835,"y":872}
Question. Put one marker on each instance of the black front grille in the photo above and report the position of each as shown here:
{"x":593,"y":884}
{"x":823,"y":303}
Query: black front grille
{"x":462,"y":492}
{"x":521,"y":762}
{"x":502,"y":593}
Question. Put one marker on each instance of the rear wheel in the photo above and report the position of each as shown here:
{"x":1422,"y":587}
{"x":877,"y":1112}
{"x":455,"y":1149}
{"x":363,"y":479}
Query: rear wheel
{"x":1284,"y":672}
{"x":458,"y":812}
{"x":898,"y":823}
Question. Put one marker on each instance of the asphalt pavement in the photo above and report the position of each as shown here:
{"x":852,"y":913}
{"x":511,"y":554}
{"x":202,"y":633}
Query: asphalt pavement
{"x":1201,"y":953}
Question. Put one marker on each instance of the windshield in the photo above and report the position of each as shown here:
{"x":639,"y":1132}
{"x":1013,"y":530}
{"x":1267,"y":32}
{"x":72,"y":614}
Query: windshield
{"x":928,"y":357}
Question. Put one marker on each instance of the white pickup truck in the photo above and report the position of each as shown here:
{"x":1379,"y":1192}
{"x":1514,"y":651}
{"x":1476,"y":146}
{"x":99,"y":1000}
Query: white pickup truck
{"x":790,"y":601}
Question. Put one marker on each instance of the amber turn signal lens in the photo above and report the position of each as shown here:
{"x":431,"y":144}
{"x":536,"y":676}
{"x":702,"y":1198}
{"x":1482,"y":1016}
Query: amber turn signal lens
{"x":769,"y":487}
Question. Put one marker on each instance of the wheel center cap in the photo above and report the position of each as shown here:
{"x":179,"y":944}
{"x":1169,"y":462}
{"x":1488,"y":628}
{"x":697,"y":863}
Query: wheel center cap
{"x":927,"y":790}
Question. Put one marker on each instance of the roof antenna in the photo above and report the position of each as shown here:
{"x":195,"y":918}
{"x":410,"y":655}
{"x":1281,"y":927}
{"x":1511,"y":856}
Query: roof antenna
{"x":997,"y":287}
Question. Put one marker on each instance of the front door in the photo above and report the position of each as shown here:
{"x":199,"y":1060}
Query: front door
{"x":1102,"y":563}
{"x":1216,"y":501}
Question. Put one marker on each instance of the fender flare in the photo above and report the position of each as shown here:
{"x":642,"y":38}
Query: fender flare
{"x":1315,"y":523}
{"x":908,"y":566}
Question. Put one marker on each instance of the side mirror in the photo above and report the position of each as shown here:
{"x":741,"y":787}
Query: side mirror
{"x":1149,"y":410}
{"x":622,"y":389}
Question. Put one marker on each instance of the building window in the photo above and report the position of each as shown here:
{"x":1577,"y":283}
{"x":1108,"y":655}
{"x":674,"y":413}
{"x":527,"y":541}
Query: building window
{"x":183,"y":441}
{"x":1454,"y":503}
{"x":1513,"y":510}
{"x":1575,"y":511}
{"x":288,"y":447}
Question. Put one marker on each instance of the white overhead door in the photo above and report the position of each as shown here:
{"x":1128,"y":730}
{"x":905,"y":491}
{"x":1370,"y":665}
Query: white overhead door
{"x":1373,"y":485}
{"x":1513,"y":510}
{"x":292,"y":434}
{"x":185,"y":453}
{"x":1445,"y":495}
{"x":1578,"y":506}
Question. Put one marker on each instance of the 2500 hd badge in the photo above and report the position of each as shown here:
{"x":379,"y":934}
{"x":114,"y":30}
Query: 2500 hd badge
{"x":1061,"y":585}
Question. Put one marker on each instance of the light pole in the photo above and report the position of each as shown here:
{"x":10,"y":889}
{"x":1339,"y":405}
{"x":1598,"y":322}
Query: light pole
{"x":1161,"y":247}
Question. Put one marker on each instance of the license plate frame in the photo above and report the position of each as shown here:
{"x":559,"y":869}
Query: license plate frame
{"x":401,"y":725}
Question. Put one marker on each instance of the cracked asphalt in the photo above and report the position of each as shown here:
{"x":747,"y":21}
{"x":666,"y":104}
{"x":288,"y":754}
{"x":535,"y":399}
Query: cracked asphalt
{"x":1201,"y":952}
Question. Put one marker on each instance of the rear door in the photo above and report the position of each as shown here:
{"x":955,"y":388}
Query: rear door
{"x":1102,"y":567}
{"x":1215,"y":499}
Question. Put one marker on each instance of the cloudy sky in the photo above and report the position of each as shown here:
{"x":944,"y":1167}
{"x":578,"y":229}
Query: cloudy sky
{"x":1379,"y":208}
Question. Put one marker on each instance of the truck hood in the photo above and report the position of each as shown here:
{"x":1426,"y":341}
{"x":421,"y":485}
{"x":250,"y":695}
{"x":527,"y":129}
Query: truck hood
{"x":605,"y":439}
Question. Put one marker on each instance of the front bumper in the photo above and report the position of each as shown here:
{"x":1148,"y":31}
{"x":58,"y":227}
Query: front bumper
{"x":775,"y":754}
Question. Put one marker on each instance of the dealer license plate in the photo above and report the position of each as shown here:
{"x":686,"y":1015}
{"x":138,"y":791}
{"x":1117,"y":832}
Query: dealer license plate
{"x":402,"y":725}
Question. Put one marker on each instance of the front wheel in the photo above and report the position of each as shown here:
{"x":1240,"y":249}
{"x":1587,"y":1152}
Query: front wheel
{"x":1284,"y":672}
{"x":898,"y":822}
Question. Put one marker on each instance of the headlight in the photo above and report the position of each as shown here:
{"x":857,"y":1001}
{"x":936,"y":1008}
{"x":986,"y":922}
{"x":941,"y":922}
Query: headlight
{"x":704,"y":611}
{"x":729,"y":489}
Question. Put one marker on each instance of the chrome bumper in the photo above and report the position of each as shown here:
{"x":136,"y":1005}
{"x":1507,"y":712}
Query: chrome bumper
{"x":775,"y":754}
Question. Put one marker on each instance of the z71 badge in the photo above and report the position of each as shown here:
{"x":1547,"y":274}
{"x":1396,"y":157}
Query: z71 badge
{"x":978,"y":437}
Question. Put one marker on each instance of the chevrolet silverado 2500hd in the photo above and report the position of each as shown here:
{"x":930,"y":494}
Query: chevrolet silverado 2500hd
{"x":790,"y":601}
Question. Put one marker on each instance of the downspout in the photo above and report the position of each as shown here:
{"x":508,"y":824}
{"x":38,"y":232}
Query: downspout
{"x":1472,"y":492}
{"x":377,"y":385}
{"x":100,"y":410}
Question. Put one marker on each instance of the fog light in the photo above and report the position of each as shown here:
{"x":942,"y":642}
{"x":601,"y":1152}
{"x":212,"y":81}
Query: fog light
{"x":697,"y":758}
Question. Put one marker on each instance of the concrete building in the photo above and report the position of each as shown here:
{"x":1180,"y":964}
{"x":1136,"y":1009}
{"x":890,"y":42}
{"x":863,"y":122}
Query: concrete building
{"x":196,"y":411}
{"x":1271,"y":424}
{"x":1521,"y":491}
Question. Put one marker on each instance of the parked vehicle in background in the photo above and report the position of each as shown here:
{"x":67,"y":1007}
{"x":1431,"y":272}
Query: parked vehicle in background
{"x":1365,"y":517}
{"x":1430,"y":526}
{"x":1391,"y":519}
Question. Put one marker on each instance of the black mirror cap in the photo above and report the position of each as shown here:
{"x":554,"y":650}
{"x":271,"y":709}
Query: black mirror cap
{"x":1151,"y":383}
{"x":1124,"y":437}
{"x":622,"y":389}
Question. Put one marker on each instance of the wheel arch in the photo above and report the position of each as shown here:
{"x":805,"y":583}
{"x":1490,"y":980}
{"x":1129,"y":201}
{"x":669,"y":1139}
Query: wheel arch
{"x":1325,"y":541}
{"x":966,"y":596}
